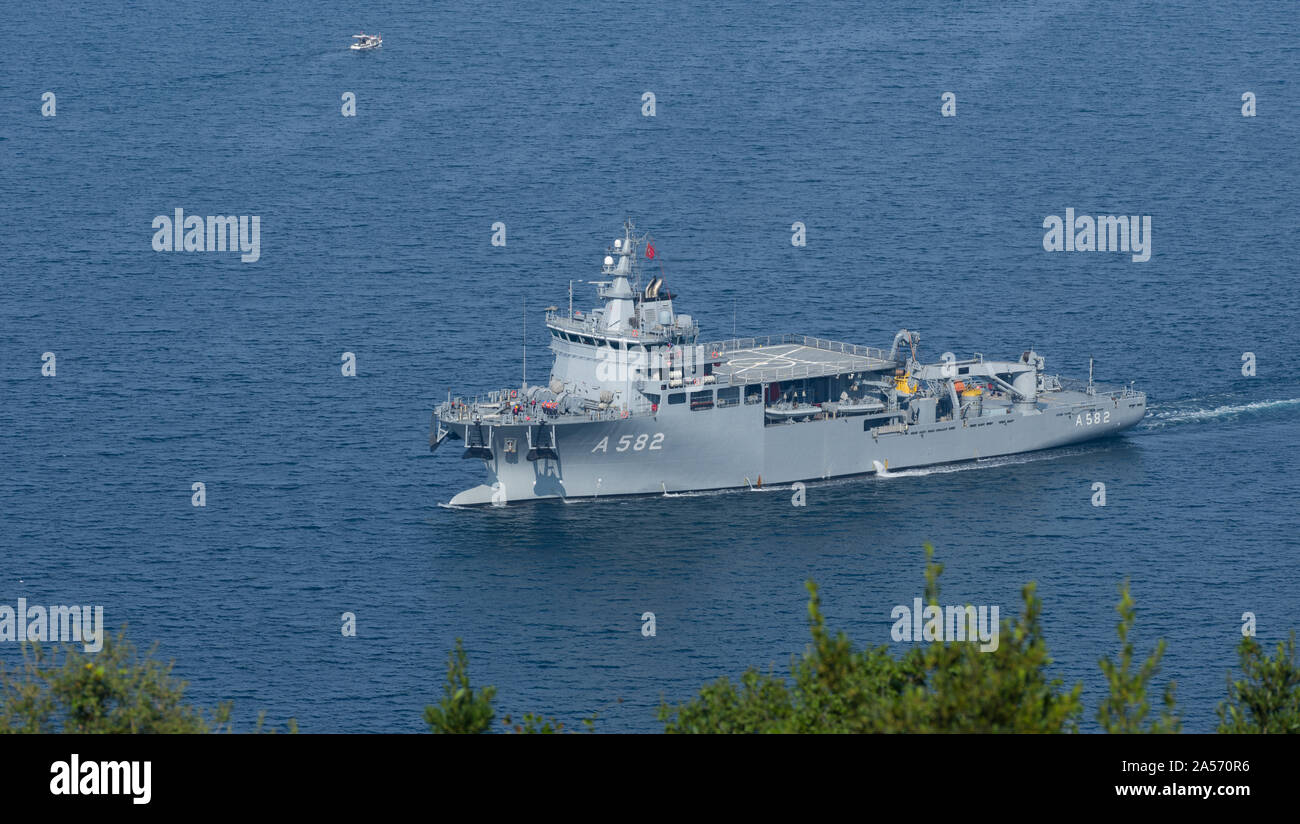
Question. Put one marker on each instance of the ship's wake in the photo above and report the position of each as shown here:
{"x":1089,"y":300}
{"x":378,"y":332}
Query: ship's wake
{"x":989,"y":463}
{"x":708,"y":493}
{"x":1197,"y":410}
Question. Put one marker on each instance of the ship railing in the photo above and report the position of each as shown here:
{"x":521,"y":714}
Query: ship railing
{"x":1104,"y":389}
{"x":578,"y":322}
{"x":589,"y":325}
{"x":491,"y":411}
{"x":736,"y":344}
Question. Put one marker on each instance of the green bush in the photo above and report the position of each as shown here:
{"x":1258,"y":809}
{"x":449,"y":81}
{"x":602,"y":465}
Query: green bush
{"x":938,"y":687}
{"x":116,"y":690}
{"x":462,"y":710}
{"x":1267,"y":699}
{"x":1125,"y":709}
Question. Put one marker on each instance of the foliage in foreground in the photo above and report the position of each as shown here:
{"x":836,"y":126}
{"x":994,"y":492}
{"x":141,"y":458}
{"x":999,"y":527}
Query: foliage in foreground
{"x":116,"y":690}
{"x":1267,"y":699}
{"x":463,"y":710}
{"x":936,"y":687}
{"x":1126,"y":708}
{"x":952,"y":687}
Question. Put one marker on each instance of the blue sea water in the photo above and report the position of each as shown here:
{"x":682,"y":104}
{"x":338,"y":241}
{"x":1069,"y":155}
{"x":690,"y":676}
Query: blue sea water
{"x":322,"y":497}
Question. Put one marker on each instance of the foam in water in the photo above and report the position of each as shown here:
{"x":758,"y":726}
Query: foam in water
{"x":1176,"y":415}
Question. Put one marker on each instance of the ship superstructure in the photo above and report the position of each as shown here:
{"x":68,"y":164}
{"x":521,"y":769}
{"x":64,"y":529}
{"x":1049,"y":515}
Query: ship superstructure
{"x":637,"y":404}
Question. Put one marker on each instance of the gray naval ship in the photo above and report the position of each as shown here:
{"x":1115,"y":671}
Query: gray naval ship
{"x":636,"y":404}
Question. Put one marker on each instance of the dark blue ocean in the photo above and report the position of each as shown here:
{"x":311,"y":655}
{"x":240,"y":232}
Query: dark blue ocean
{"x":321,"y":494}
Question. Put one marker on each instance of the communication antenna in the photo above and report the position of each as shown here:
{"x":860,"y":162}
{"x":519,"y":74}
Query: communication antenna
{"x":525,"y":313}
{"x":1090,"y":387}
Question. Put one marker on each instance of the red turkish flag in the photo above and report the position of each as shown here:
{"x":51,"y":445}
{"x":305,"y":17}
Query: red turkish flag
{"x":649,"y":251}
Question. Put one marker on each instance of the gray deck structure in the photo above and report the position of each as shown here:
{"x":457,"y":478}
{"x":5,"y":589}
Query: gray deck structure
{"x":788,"y":357}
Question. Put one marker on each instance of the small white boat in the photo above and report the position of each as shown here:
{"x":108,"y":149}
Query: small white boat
{"x":366,"y":42}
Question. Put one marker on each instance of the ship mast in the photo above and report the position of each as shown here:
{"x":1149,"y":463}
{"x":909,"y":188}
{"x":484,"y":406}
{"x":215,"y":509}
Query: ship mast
{"x":620,"y":308}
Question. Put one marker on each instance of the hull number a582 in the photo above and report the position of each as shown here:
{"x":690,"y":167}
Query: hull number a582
{"x":1090,"y":418}
{"x":635,"y":443}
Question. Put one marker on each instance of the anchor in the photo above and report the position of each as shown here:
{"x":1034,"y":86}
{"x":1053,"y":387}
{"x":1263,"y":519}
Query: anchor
{"x":438,"y":433}
{"x":480,"y":447}
{"x":537,"y":450}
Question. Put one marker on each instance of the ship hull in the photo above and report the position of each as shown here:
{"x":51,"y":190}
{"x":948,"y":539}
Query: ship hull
{"x":682,"y":450}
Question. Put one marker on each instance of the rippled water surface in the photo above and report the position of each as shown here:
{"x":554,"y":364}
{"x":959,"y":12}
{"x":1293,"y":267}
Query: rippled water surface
{"x":322,"y":496}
